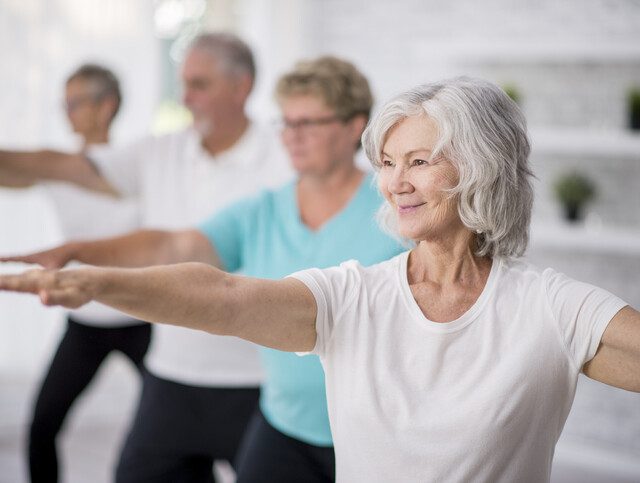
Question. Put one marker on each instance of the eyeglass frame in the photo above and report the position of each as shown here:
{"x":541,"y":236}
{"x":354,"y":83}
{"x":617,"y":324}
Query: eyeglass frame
{"x":306,"y":123}
{"x":73,"y":104}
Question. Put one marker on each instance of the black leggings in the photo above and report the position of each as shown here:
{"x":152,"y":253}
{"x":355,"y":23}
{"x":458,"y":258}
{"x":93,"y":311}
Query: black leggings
{"x":269,"y":456}
{"x":77,"y":359}
{"x":179,"y":430}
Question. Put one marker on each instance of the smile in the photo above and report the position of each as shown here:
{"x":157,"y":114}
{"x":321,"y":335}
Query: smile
{"x":406,"y":209}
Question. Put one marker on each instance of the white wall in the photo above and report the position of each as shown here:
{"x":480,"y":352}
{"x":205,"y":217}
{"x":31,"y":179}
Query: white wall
{"x":41,"y":42}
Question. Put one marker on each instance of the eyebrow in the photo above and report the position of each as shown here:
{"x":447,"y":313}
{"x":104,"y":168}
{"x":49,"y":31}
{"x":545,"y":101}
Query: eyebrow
{"x":412,"y":152}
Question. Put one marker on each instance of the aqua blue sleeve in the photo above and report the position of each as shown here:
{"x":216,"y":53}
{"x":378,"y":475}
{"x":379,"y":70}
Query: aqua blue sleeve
{"x":228,"y":231}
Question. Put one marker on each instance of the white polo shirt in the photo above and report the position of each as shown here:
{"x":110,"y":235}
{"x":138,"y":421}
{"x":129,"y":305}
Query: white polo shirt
{"x":85,"y":215}
{"x":178,"y":184}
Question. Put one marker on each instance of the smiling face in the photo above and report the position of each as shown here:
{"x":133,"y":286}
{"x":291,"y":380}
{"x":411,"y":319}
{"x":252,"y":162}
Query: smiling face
{"x":414,"y":184}
{"x":316,"y":140}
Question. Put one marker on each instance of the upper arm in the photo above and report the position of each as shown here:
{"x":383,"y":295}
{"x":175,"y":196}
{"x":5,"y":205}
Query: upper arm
{"x":617,"y":361}
{"x":280,"y":314}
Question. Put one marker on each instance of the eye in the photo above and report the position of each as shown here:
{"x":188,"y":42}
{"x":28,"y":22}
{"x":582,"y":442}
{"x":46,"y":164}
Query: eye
{"x":386,"y":163}
{"x":419,"y":162}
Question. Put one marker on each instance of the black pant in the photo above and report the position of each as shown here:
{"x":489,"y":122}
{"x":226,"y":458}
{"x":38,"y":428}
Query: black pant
{"x":269,"y":456}
{"x":179,"y":430}
{"x":78,"y":357}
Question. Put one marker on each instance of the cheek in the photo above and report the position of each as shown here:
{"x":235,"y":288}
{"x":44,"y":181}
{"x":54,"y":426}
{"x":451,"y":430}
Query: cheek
{"x":383,"y":184}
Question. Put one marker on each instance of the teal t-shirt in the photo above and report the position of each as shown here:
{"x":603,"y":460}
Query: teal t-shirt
{"x":264,"y":237}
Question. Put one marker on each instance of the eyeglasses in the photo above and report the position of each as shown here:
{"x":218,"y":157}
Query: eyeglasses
{"x":305,"y":124}
{"x":75,"y":102}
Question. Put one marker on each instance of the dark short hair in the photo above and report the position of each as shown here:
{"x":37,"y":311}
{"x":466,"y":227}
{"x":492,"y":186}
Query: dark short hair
{"x":104,"y":83}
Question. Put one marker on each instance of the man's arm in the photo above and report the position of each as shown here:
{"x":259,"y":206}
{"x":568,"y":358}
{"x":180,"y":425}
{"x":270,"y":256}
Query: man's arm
{"x":137,"y":249}
{"x":20,"y":169}
{"x":278,"y":314}
{"x":617,"y":361}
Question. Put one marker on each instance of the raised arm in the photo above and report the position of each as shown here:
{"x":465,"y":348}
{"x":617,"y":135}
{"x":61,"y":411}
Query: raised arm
{"x":278,"y":314}
{"x":617,"y":361}
{"x":140,"y":248}
{"x":21,"y":169}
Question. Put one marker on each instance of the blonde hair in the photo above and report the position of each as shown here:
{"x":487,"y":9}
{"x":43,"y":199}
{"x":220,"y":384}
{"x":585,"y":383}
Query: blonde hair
{"x":337,"y":82}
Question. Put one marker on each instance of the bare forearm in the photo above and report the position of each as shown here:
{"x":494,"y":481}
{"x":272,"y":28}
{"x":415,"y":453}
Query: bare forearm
{"x":141,"y":248}
{"x":191,"y":295}
{"x":11,"y":179}
{"x":33,"y":166}
{"x":279,"y":314}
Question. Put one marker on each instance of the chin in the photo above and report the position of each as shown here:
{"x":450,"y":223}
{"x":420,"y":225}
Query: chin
{"x":204,"y":127}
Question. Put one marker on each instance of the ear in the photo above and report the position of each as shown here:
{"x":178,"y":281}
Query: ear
{"x":106,"y":110}
{"x":243,"y":86}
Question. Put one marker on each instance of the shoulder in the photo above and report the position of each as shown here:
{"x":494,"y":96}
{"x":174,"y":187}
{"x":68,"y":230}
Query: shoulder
{"x":352,"y":276}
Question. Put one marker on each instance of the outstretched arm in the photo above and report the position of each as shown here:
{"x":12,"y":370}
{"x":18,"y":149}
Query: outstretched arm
{"x":617,"y":361}
{"x":278,"y":314}
{"x":21,"y":169}
{"x":137,"y":249}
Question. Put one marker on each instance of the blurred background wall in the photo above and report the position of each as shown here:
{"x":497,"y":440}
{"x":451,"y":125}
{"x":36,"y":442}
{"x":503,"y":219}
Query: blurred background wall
{"x":572,"y":66}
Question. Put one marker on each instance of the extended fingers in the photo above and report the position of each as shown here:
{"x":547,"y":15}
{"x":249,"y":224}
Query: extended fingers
{"x":70,"y":297}
{"x":31,"y":281}
{"x":17,"y":258}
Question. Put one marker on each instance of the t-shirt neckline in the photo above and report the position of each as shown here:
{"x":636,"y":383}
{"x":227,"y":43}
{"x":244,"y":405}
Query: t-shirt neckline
{"x":461,"y":322}
{"x":326,"y":226}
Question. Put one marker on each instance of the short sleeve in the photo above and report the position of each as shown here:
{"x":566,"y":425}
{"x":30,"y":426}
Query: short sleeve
{"x":228,"y":231}
{"x":334,"y":290}
{"x":582,"y":312}
{"x":121,"y":167}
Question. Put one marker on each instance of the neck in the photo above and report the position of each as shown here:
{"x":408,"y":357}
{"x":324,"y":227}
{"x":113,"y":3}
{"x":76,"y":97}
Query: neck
{"x":99,"y":136}
{"x":321,"y":197}
{"x":224,"y":135}
{"x":449,"y":259}
{"x":341,"y":177}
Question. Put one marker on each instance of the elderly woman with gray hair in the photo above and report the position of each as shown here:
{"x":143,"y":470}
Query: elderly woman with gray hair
{"x":454,"y":361}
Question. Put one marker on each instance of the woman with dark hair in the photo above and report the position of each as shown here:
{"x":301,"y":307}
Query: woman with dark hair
{"x":92,"y":100}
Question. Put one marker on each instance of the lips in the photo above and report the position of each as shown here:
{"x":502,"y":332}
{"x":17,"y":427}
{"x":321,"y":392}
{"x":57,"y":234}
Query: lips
{"x":409,"y":208}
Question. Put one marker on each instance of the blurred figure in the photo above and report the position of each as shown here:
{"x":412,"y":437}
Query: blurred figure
{"x":454,"y":361}
{"x":92,"y":100}
{"x":199,"y":391}
{"x":324,"y":217}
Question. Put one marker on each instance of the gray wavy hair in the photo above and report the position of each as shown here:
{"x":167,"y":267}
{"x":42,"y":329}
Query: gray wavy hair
{"x":234,"y":54}
{"x":484,"y":135}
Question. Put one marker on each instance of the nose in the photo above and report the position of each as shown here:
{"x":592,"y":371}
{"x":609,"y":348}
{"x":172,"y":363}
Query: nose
{"x":398,"y":182}
{"x":291,"y":134}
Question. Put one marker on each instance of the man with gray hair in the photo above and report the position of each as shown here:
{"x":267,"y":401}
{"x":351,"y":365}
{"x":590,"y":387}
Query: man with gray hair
{"x":199,"y":391}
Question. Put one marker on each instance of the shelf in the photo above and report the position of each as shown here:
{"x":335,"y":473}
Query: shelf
{"x":581,"y":237}
{"x":527,"y":51}
{"x":586,"y":142}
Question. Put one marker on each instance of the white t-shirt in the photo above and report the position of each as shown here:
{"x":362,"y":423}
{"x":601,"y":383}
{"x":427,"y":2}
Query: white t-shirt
{"x":482,"y":398}
{"x":178,"y":184}
{"x":85,"y":215}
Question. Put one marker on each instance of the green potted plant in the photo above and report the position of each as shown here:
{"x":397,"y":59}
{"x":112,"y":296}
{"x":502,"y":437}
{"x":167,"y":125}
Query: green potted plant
{"x":574,"y":190}
{"x":633,"y":106}
{"x":512,"y":91}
